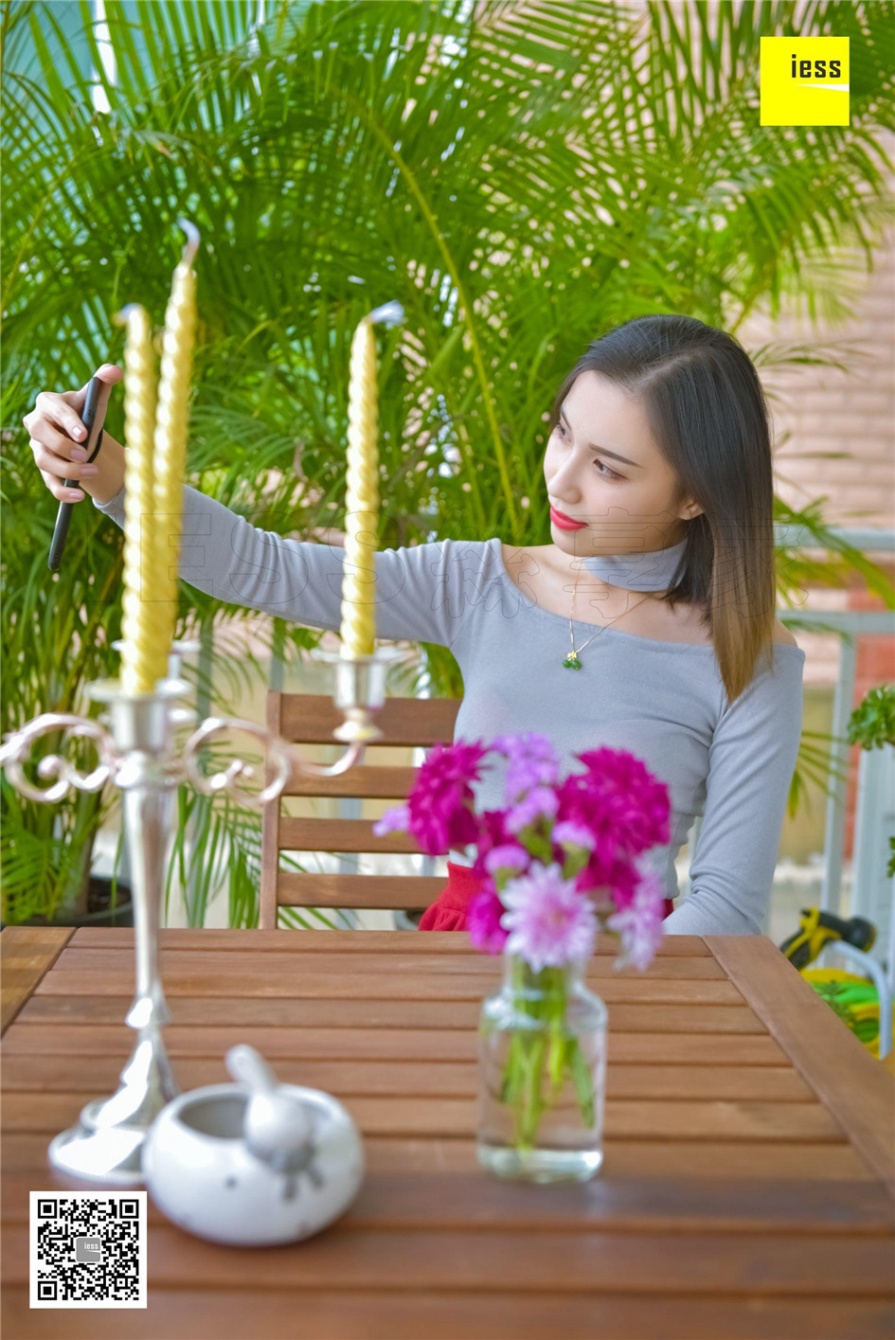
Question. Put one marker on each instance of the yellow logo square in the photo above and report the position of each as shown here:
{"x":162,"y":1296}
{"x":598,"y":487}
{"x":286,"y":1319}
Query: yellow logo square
{"x":804,"y":81}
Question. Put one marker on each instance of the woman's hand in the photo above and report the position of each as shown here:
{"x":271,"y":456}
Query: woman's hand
{"x":55,"y":430}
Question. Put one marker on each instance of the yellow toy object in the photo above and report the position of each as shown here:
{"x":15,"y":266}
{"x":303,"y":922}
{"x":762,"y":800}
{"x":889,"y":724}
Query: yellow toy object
{"x":818,"y":929}
{"x":855,"y":999}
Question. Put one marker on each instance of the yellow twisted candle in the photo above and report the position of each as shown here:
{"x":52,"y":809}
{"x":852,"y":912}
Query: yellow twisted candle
{"x":170,"y":439}
{"x":358,"y":628}
{"x":141,"y":664}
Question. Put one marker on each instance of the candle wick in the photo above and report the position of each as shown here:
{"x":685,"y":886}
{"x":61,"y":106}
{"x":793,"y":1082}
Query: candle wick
{"x":389,"y":314}
{"x":192,"y":243}
{"x":121,"y":318}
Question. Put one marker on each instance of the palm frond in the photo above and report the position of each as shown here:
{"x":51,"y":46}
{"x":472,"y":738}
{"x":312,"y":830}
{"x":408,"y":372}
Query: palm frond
{"x":481,"y":163}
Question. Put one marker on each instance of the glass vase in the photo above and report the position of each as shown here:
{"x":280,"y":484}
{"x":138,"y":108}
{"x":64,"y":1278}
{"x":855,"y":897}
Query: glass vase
{"x":542,"y":1075}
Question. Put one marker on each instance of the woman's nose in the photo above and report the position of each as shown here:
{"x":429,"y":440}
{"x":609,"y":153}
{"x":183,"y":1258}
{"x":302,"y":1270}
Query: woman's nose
{"x":564,"y":481}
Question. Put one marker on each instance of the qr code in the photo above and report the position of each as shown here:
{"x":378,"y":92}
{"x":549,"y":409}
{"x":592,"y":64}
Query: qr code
{"x":88,"y":1249}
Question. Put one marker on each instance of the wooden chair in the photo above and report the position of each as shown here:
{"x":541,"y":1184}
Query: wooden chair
{"x":311,"y":719}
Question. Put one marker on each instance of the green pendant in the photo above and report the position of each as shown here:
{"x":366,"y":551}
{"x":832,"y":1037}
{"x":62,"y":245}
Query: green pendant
{"x":572,"y":661}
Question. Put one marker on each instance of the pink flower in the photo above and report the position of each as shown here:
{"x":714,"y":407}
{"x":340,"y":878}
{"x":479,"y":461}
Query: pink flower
{"x":510,"y":856}
{"x":531,"y":761}
{"x":393,"y":821}
{"x":550,"y":923}
{"x":483,"y":922}
{"x":540,"y":803}
{"x":640,"y":923}
{"x":575,"y":835}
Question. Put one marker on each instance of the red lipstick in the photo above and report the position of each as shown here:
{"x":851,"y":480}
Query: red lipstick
{"x":565,"y":522}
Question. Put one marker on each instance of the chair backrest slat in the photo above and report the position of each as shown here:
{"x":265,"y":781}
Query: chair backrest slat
{"x":308,"y":718}
{"x":366,"y":782}
{"x":312,"y":890}
{"x":311,"y":719}
{"x":341,"y":835}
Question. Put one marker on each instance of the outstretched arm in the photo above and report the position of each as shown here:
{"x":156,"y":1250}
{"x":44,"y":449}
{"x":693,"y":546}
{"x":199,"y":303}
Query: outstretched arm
{"x":227,"y":557}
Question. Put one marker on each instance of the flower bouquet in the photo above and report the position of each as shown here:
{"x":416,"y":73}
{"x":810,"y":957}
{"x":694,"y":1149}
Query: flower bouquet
{"x":558,"y":864}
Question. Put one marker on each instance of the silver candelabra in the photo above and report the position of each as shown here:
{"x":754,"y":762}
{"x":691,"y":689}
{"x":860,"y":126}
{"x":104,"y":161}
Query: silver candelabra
{"x":135,"y":743}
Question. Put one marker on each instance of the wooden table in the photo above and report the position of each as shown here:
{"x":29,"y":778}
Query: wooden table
{"x":747,"y":1189}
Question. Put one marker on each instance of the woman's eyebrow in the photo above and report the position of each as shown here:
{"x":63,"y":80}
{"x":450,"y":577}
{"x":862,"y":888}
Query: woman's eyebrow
{"x":604,"y":451}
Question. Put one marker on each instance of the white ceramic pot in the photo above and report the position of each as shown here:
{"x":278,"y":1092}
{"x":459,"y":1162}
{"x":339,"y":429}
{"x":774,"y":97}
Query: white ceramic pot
{"x":201,"y":1174}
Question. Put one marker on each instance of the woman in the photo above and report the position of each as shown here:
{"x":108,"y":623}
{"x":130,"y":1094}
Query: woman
{"x":661,"y":566}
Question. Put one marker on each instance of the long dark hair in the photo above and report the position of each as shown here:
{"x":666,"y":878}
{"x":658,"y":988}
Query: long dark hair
{"x":708,"y":414}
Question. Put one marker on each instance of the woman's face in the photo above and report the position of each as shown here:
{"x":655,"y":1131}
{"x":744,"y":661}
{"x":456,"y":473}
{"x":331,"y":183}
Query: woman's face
{"x":603,"y":468}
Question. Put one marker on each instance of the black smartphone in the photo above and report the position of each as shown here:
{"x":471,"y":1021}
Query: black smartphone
{"x":93,"y":417}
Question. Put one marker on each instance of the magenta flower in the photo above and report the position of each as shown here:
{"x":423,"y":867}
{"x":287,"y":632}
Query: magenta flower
{"x":639,"y":925}
{"x":483,"y":922}
{"x":615,"y":873}
{"x":440,"y":809}
{"x":593,"y":824}
{"x":492,"y":833}
{"x":619,"y":799}
{"x":550,"y":923}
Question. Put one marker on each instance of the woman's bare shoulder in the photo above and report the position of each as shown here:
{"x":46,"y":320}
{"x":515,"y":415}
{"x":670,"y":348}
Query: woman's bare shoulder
{"x":782,"y":634}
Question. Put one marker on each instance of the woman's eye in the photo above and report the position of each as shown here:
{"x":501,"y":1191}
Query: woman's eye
{"x":603,"y":469}
{"x":608,"y":474}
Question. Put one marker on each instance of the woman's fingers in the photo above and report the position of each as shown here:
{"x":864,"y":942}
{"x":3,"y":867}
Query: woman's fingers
{"x":55,"y":429}
{"x":58,"y":410}
{"x":57,"y":453}
{"x":108,"y":372}
{"x":63,"y":409}
{"x":59,"y":490}
{"x":55,"y":468}
{"x":57,"y":436}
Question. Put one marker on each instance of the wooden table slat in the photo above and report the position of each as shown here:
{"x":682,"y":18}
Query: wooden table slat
{"x":192,"y":979}
{"x":342,"y":942}
{"x":707,"y":1050}
{"x":584,"y":1262}
{"x":66,"y":1071}
{"x":276,"y":1311}
{"x":484,"y":967}
{"x":414,"y":1115}
{"x":401,"y":1199}
{"x":769,"y":1160}
{"x":25,"y":958}
{"x":854,"y":1088}
{"x":289,"y":1012}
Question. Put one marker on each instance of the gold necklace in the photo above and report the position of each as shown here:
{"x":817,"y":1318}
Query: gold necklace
{"x":572,"y":662}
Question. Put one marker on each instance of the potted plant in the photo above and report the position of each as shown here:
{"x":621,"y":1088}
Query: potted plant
{"x":872,"y":725}
{"x":56,"y":632}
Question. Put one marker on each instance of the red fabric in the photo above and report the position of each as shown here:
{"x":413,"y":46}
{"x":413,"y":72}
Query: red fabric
{"x":450,"y":910}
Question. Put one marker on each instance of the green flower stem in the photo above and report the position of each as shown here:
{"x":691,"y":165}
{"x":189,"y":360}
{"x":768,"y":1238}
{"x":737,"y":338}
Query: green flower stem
{"x":546,"y":1047}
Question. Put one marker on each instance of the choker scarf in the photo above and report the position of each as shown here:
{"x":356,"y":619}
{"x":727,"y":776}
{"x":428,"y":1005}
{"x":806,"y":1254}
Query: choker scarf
{"x":637,"y":572}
